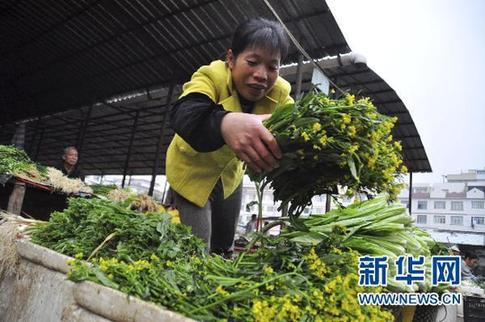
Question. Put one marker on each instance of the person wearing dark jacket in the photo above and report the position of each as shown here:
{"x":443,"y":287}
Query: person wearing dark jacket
{"x":69,"y":166}
{"x":218,"y":125}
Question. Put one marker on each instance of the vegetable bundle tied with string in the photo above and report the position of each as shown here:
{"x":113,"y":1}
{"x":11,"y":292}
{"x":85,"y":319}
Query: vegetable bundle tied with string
{"x":328,"y":143}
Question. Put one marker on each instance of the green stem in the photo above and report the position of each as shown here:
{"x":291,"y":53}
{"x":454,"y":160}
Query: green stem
{"x":259,"y":195}
{"x":107,"y":239}
{"x":264,"y":230}
{"x":247,"y":290}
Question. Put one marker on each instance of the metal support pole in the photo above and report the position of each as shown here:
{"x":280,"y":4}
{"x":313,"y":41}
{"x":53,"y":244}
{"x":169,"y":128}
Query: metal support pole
{"x":328,"y":202}
{"x":39,"y":143}
{"x":156,"y":164}
{"x":82,"y":133}
{"x":18,"y":139}
{"x":17,"y":195}
{"x":130,"y":146}
{"x":34,"y":136}
{"x":299,"y":76}
{"x":164,"y":191}
{"x":410,"y":192}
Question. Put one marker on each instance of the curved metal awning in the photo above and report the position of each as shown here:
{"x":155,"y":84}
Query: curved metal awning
{"x":59,"y":55}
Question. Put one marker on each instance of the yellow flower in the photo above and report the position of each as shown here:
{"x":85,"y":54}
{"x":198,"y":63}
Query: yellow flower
{"x":346,"y":118}
{"x":268,"y":270}
{"x":141,"y":265}
{"x":323,"y":140}
{"x":371,"y":162}
{"x":154,"y":258}
{"x":352,"y":131}
{"x":353,"y":148}
{"x":350,"y":99}
{"x":305,"y":136}
{"x":317,"y":127}
{"x":262,"y":311}
{"x":221,"y":291}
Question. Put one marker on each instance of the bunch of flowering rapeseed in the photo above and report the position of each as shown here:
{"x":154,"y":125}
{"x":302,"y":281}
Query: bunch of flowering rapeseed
{"x":328,"y":143}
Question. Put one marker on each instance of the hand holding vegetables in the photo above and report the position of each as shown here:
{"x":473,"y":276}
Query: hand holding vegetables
{"x":250,"y":140}
{"x":328,"y":143}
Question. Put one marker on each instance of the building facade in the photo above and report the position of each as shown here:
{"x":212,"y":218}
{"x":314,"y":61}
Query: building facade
{"x":453,"y":211}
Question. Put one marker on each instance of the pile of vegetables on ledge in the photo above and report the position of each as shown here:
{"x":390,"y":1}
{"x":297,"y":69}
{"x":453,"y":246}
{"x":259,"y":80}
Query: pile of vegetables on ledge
{"x":16,"y":162}
{"x":307,"y":273}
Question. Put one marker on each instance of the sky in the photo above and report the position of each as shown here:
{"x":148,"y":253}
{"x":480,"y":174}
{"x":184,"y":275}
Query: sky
{"x":432,"y":53}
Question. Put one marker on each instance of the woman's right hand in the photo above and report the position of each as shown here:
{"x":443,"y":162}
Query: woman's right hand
{"x":246,"y":135}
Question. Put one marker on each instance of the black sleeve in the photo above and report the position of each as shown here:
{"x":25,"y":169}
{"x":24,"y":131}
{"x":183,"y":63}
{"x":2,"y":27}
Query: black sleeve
{"x":81,"y":175}
{"x":197,"y":119}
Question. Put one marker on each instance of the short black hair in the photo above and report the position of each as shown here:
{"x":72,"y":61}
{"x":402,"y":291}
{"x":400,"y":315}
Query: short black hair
{"x":471,"y":256}
{"x":262,"y":33}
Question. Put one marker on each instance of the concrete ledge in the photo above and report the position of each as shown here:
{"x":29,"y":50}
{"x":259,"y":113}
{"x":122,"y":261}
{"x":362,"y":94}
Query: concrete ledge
{"x":118,"y":306}
{"x":74,"y":313}
{"x":44,"y":288}
{"x":43,"y":256}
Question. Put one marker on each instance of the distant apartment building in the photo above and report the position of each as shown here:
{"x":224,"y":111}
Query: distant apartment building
{"x":453,"y":211}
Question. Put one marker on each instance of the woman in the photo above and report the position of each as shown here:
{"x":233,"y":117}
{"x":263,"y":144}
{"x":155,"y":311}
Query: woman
{"x":218,"y":122}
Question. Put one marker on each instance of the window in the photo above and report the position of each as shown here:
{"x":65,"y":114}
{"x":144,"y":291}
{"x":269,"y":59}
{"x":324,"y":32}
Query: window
{"x":457,"y":205}
{"x":479,"y":220}
{"x":456,"y":220}
{"x":477,"y":204}
{"x":420,"y":189}
{"x":421,"y":219}
{"x":422,"y":204}
{"x":439,"y":219}
{"x":439,"y":205}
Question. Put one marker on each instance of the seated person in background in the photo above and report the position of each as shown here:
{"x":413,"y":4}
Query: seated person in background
{"x":469,"y":262}
{"x":252,"y":225}
{"x":69,"y":163}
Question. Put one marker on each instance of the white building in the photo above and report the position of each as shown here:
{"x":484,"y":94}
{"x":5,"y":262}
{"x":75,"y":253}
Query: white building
{"x":454,"y":211}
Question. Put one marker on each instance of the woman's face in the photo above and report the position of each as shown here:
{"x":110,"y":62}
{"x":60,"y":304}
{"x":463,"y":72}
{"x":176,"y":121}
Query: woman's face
{"x":254,"y":72}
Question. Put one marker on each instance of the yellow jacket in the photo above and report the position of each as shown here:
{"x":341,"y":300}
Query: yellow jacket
{"x":194,"y":174}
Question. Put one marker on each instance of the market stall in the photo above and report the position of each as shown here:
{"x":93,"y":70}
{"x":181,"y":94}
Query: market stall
{"x":33,"y":190}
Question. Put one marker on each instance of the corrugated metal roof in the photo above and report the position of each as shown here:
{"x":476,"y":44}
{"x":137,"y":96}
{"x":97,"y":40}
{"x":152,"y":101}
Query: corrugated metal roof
{"x":68,"y":55}
{"x":59,"y":55}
